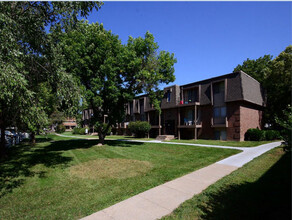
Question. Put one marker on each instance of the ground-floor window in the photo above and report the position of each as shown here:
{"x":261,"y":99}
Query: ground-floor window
{"x":220,"y":134}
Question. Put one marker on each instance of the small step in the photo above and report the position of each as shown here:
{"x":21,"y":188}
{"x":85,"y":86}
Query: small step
{"x":165,"y":137}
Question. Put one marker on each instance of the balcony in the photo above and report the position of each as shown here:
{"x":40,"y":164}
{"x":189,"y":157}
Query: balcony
{"x":190,"y":124}
{"x":190,"y":97}
{"x":185,"y":104}
{"x":219,"y":122}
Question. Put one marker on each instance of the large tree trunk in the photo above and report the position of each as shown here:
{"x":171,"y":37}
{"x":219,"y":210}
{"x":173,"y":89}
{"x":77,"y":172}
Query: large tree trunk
{"x":2,"y":142}
{"x":101,"y":137}
{"x":32,"y":138}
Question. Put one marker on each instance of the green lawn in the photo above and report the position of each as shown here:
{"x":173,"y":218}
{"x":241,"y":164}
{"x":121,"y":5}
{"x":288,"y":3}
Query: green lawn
{"x":64,"y":178}
{"x":259,"y":190}
{"x":199,"y":141}
{"x":224,"y":143}
{"x":111,"y":137}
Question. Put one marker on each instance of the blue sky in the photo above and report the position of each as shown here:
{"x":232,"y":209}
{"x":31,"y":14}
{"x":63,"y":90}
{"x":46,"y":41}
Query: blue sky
{"x":208,"y":38}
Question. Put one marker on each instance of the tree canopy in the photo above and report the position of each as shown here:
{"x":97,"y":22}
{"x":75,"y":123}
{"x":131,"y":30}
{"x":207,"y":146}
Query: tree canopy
{"x":111,"y":74}
{"x":31,"y":72}
{"x":275,"y":77}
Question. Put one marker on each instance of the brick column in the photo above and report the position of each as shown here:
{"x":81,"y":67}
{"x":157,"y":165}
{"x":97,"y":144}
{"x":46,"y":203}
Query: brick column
{"x":178,"y":129}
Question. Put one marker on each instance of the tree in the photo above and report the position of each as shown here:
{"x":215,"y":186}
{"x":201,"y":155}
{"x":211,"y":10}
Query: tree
{"x":286,"y":124}
{"x":278,"y":85}
{"x":30,"y":61}
{"x":111,"y":74}
{"x":275,"y":77}
{"x":257,"y":69}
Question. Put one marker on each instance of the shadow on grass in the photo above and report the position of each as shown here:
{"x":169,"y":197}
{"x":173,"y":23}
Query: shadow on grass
{"x":21,"y":158}
{"x":267,"y":198}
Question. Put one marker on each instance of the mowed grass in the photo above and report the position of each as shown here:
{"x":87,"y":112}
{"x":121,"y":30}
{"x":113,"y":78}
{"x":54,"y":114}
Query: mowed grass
{"x":199,"y":141}
{"x":63,"y":178}
{"x":223,"y":143}
{"x":259,"y":190}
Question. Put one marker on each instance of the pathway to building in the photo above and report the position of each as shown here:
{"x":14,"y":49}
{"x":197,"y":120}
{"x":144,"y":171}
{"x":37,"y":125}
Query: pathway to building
{"x":162,"y":200}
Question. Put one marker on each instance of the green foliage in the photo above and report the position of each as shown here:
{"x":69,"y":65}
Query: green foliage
{"x":254,"y":134}
{"x":139,"y":128}
{"x":33,"y":81}
{"x":107,"y":128}
{"x":257,"y":69}
{"x":272,"y":135}
{"x":57,"y":117}
{"x":285,"y":123}
{"x":111,"y":74}
{"x":60,"y":128}
{"x":275,"y":77}
{"x":77,"y":130}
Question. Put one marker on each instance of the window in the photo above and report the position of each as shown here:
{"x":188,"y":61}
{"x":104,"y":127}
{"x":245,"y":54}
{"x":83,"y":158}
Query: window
{"x":131,"y":108}
{"x":190,"y":96}
{"x":137,"y":105}
{"x":168,"y":96}
{"x":220,"y":112}
{"x":220,"y":135}
{"x":218,"y":87}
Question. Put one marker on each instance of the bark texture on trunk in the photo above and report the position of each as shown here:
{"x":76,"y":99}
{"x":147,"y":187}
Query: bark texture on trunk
{"x":33,"y":138}
{"x":101,"y":138}
{"x":2,"y":143}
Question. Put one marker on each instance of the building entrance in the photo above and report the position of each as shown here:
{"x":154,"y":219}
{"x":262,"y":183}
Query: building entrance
{"x":169,"y":127}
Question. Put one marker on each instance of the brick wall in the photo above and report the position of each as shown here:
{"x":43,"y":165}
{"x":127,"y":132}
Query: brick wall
{"x":233,"y":120}
{"x":250,"y":117}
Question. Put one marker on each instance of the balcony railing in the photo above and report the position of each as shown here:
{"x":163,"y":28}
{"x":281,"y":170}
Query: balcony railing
{"x":190,"y":124}
{"x":219,"y":122}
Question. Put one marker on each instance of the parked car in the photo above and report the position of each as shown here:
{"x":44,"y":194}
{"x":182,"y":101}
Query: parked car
{"x":8,"y":139}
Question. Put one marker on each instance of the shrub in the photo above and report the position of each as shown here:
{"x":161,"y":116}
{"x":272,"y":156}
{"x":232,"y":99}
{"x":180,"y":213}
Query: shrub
{"x":108,"y":132}
{"x":82,"y":130}
{"x":139,"y":128}
{"x":104,"y":125}
{"x":78,"y":131}
{"x":254,"y":134}
{"x":75,"y":130}
{"x":60,"y":128}
{"x":272,"y":135}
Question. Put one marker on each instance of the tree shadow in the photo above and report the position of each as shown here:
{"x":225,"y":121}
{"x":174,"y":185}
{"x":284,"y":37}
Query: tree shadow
{"x":267,"y":198}
{"x":116,"y":143}
{"x":21,"y":158}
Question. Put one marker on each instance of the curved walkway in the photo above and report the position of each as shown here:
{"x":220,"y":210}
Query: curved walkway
{"x":162,"y":200}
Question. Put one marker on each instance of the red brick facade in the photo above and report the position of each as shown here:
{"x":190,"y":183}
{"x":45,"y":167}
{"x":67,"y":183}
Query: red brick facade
{"x":250,"y":117}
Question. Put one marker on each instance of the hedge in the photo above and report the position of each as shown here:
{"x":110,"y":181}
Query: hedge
{"x":255,"y":134}
{"x":139,"y":128}
{"x":78,"y":131}
{"x":60,"y":128}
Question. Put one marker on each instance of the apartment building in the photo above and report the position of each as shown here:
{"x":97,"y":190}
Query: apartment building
{"x":223,"y":108}
{"x":70,"y":124}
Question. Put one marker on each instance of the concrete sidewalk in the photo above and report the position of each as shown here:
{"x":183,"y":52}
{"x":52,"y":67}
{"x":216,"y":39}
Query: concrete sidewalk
{"x":162,"y":200}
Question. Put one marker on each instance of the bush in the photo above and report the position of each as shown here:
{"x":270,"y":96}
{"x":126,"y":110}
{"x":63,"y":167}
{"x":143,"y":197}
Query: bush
{"x":78,"y":131}
{"x":75,"y":130}
{"x":272,"y":135}
{"x":139,"y":128}
{"x":60,"y":128}
{"x":254,"y":134}
{"x":104,"y":125}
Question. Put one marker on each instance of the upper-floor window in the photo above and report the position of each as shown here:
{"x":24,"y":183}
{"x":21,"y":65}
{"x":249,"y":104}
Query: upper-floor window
{"x":141,"y":106}
{"x":168,"y":96}
{"x":190,"y":96}
{"x":220,"y":112}
{"x":218,"y":87}
{"x":137,"y":105}
{"x":131,"y":108}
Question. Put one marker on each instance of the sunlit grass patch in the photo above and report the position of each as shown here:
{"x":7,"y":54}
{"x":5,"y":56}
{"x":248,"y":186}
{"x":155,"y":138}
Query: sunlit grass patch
{"x":110,"y":168}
